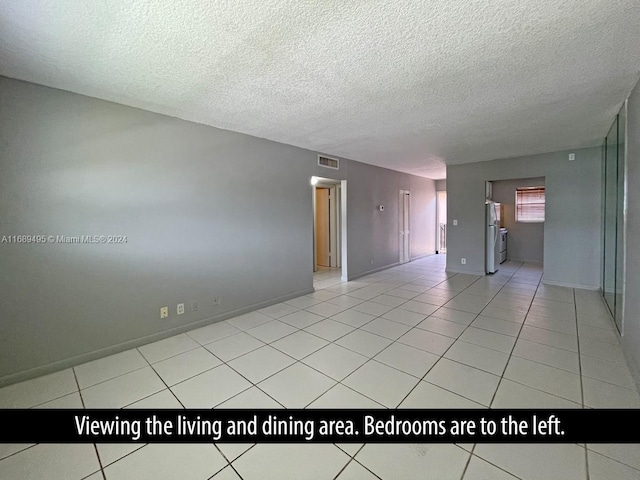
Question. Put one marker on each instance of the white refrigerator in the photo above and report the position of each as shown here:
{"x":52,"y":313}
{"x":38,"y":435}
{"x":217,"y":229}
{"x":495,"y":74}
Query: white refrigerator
{"x":492,"y":246}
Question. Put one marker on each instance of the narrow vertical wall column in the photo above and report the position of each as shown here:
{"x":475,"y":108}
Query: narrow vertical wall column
{"x":631,"y":338}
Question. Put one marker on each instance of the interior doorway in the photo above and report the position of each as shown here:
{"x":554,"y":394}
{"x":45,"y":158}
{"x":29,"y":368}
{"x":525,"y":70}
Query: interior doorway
{"x":404,"y":227}
{"x":441,"y":222}
{"x":517,"y":235}
{"x":326,"y":226}
{"x":329,"y":226}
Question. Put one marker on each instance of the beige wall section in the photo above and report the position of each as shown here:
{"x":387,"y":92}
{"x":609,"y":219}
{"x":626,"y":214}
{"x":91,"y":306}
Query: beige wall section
{"x":322,"y":227}
{"x":206,"y":212}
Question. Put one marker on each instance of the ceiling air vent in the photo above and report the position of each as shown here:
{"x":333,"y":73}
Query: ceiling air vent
{"x":328,"y":162}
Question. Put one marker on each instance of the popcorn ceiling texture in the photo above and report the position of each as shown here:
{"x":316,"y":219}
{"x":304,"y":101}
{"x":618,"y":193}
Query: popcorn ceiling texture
{"x":403,"y":84}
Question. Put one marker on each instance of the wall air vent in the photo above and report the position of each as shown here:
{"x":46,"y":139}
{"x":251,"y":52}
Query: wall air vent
{"x":328,"y":162}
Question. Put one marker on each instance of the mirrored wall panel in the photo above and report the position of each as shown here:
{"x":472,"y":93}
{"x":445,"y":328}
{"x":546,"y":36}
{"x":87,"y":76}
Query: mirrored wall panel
{"x":613,"y":210}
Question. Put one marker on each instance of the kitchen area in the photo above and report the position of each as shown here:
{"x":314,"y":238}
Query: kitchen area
{"x":514,"y":222}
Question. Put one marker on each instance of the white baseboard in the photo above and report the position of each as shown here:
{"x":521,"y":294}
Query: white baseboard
{"x":466,"y":272}
{"x":413,"y":259}
{"x":373,"y":270}
{"x":137,"y":342}
{"x":386,"y":267}
{"x":532,"y":262}
{"x":546,"y":281}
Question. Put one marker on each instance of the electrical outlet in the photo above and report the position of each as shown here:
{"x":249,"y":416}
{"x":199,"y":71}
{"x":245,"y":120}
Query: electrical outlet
{"x":194,"y":306}
{"x":164,"y":312}
{"x":463,"y":261}
{"x":215,"y":301}
{"x":180,"y":308}
{"x":572,"y":157}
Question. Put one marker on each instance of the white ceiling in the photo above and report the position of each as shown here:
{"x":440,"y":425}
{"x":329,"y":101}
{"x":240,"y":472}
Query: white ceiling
{"x":409,"y":85}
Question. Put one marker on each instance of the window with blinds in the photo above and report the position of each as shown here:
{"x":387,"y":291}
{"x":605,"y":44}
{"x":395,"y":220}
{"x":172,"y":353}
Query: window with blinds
{"x":530,"y":204}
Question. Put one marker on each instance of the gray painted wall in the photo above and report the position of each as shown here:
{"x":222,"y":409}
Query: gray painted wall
{"x":572,"y":237}
{"x":206,"y":212}
{"x":441,"y":185}
{"x":631,"y":325}
{"x":373,"y":236}
{"x":525,"y":241}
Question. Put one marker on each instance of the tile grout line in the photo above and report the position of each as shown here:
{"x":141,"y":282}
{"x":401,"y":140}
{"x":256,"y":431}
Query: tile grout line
{"x":266,"y":344}
{"x":75,"y":377}
{"x":521,"y":325}
{"x":461,"y":333}
{"x":372,"y":333}
{"x":361,"y":328}
{"x":471,"y":453}
{"x":575,"y":306}
{"x":354,"y":455}
{"x":351,"y":458}
{"x":252,"y":383}
{"x":112,"y":378}
{"x":498,"y":467}
{"x":369,"y":358}
{"x":396,"y":340}
{"x":517,"y":338}
{"x":468,"y":462}
{"x":344,"y":467}
{"x":229,"y":462}
{"x":354,"y":459}
{"x":544,"y":364}
{"x":162,"y":380}
{"x":271,"y":375}
{"x":183,"y":406}
{"x":143,"y":398}
{"x":95,"y":445}
{"x":233,"y":466}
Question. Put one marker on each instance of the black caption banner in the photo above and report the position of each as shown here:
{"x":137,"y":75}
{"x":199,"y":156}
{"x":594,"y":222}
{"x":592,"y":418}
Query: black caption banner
{"x":320,"y":426}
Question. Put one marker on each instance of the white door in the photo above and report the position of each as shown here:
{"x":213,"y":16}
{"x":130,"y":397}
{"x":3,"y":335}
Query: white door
{"x":441,"y":222}
{"x":403,"y":217}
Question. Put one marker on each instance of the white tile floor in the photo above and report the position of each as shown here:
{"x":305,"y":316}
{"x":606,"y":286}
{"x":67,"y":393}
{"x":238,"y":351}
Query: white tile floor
{"x":408,"y":337}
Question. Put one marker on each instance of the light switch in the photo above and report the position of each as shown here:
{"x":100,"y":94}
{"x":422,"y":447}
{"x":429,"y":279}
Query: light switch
{"x":455,"y":222}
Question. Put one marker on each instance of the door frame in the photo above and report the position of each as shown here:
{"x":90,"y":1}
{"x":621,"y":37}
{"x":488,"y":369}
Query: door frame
{"x":324,"y":229}
{"x":402,"y":232}
{"x":337,"y":222}
{"x":440,"y":193}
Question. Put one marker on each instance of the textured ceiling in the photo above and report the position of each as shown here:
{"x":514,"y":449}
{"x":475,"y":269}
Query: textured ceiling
{"x":409,"y":85}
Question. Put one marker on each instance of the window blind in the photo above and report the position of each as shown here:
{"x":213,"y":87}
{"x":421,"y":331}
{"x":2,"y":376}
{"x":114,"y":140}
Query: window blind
{"x":530,"y":204}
